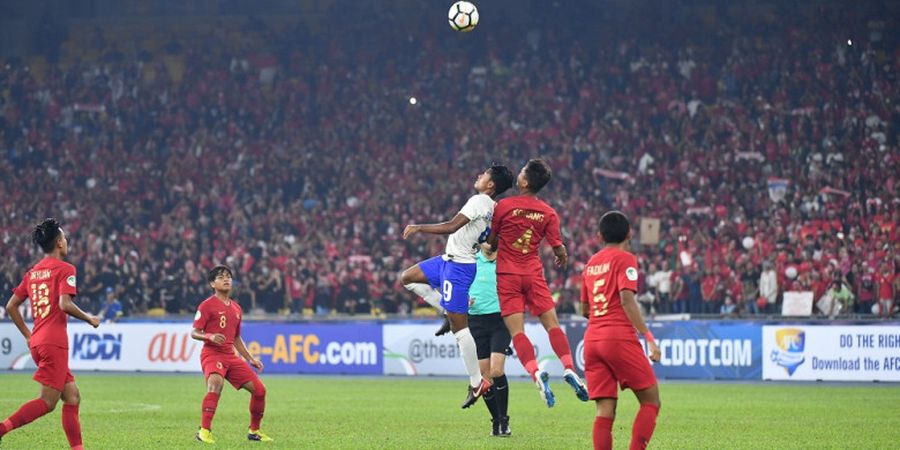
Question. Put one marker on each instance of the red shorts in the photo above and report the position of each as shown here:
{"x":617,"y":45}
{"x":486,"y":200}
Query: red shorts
{"x":231,"y":367}
{"x":609,"y":364}
{"x":518,"y":291}
{"x":53,"y":366}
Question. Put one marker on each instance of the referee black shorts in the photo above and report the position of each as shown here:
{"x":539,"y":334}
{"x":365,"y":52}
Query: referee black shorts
{"x":490,"y":333}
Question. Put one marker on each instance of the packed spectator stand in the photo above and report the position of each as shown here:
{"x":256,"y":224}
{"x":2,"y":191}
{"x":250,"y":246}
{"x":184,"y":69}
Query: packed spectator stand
{"x":294,"y":156}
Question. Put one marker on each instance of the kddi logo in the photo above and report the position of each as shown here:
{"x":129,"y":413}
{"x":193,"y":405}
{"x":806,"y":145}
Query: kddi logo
{"x":171,"y":347}
{"x":90,"y":347}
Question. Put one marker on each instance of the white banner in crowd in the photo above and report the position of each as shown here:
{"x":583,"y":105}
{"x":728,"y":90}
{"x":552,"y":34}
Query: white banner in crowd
{"x":413,"y":349}
{"x":840,"y":353}
{"x":797,"y":303}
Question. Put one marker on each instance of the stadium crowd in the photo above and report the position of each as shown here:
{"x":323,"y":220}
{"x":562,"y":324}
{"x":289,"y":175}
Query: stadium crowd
{"x":295,"y":157}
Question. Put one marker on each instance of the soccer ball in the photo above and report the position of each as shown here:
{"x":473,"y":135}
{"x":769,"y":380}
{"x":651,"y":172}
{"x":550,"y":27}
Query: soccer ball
{"x":463,"y":16}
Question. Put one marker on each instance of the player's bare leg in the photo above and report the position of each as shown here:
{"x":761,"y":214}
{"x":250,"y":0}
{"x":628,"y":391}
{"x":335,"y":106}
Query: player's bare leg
{"x":210,"y":402}
{"x":645,"y":421}
{"x":257,"y":392}
{"x":560,"y":343}
{"x":32,"y":410}
{"x":515,"y":323}
{"x":415,"y":281}
{"x":459,"y":324}
{"x":603,"y":422}
{"x":71,"y":398}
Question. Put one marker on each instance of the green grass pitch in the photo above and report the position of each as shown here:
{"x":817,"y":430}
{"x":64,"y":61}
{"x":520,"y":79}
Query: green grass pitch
{"x":162,"y":412}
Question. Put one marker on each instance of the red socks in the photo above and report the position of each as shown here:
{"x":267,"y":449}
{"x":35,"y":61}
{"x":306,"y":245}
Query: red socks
{"x":603,"y":433}
{"x":210,"y":402}
{"x":26,"y":414}
{"x":560,"y":344}
{"x":257,"y":408}
{"x":71,"y":425}
{"x":644,"y":423}
{"x":525,"y":352}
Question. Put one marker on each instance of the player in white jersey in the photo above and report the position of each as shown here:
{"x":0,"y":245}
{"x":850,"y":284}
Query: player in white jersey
{"x":444,"y":280}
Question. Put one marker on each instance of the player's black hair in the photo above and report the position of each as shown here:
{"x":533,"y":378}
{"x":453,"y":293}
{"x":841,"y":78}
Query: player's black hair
{"x":538,"y":174}
{"x":216,"y":271}
{"x":502,"y":178}
{"x":45,"y":234}
{"x":614,"y":227}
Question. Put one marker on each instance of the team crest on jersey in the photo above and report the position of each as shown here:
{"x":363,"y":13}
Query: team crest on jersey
{"x":631,"y":274}
{"x":71,"y":280}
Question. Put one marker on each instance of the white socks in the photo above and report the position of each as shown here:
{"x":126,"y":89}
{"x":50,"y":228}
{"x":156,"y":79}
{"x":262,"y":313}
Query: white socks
{"x":469,"y":355}
{"x":463,"y":337}
{"x":428,"y":293}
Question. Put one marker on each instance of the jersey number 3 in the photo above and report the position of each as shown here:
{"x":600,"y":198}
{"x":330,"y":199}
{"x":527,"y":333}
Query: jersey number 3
{"x":600,"y":304}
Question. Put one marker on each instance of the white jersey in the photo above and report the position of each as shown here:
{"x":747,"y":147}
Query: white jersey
{"x":463,"y":244}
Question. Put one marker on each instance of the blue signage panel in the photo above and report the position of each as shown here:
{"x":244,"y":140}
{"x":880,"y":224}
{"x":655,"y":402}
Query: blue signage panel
{"x":696,"y":349}
{"x":316,"y":348}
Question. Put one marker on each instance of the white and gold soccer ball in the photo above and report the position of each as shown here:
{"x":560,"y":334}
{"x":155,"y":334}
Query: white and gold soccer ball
{"x":463,"y":16}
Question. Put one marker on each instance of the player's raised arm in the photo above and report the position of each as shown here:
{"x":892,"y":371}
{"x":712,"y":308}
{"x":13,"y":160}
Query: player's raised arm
{"x":68,"y":306}
{"x":633,"y":311}
{"x":450,"y":227}
{"x":12,"y":309}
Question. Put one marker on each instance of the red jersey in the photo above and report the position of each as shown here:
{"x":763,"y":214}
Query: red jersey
{"x":215,"y":317}
{"x":44,"y":284}
{"x":607,"y":272}
{"x":521,"y":223}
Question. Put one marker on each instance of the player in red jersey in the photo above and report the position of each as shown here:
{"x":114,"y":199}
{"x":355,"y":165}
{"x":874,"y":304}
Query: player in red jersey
{"x":519,"y":225}
{"x":218,"y":324}
{"x":613,"y":356}
{"x":50,"y":285}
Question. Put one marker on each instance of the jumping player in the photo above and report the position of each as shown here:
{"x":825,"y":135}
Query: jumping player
{"x":520,"y":224}
{"x":218,"y":325}
{"x":613,"y":356}
{"x":50,"y":285}
{"x":444,"y":280}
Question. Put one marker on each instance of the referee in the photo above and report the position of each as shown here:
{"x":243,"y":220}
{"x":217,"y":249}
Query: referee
{"x":491,"y":338}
